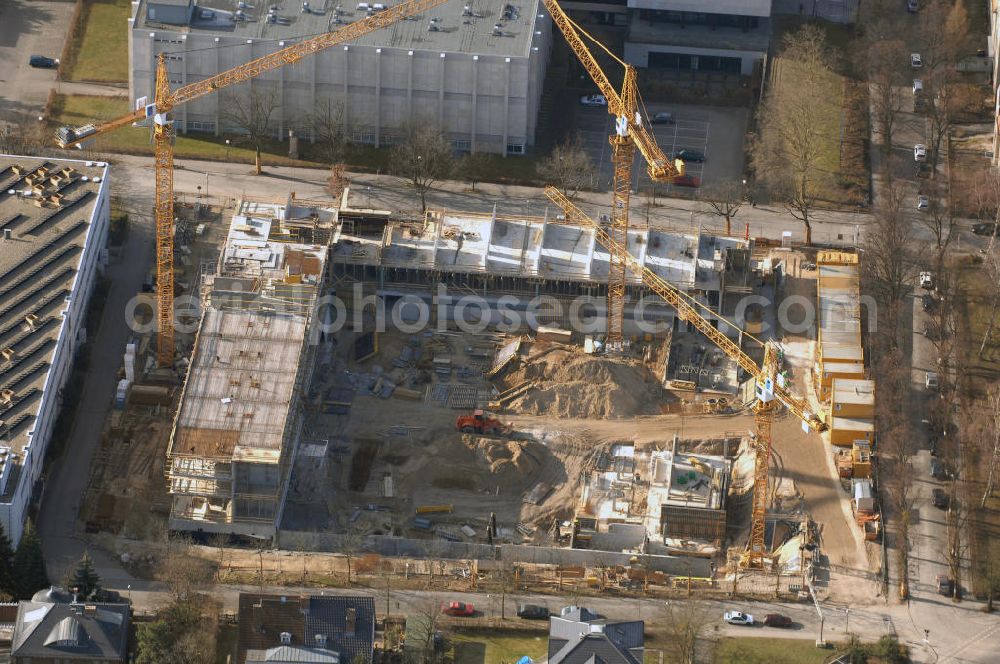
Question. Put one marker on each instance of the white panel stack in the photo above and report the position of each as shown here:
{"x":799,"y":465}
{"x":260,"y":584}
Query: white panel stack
{"x":130,"y":362}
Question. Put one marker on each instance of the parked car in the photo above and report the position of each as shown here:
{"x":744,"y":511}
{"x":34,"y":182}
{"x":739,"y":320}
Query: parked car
{"x":686,"y":181}
{"x":940,"y":499}
{"x":986,"y":229}
{"x":923,"y":202}
{"x":937,"y":469}
{"x":457,"y":609}
{"x":777,"y":620}
{"x":662,"y":117}
{"x":912,"y":6}
{"x":532,"y":612}
{"x":916,"y":61}
{"x":918,"y":86}
{"x":919,"y":104}
{"x":738,"y":618}
{"x":932,"y":381}
{"x":43,"y":62}
{"x":927,"y":280}
{"x":919,"y":152}
{"x":945,"y":585}
{"x":593,"y":100}
{"x":923,"y":169}
{"x":928,"y":303}
{"x":691,"y":155}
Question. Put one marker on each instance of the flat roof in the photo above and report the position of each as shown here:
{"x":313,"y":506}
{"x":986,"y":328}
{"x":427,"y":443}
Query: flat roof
{"x":47,"y":206}
{"x":455,"y":30}
{"x":854,"y":390}
{"x":853,"y":424}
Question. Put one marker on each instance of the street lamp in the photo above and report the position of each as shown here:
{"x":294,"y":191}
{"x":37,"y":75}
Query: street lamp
{"x":129,"y":586}
{"x":227,"y":150}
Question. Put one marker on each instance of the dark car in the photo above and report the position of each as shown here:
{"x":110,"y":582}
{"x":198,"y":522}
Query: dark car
{"x":945,"y":585}
{"x":986,"y":229}
{"x":663,"y":117}
{"x":937,"y":470}
{"x":940,"y":499}
{"x":928,"y":302}
{"x":532,"y":612}
{"x":777,"y":620}
{"x":686,"y":181}
{"x":923,"y":170}
{"x":691,"y":155}
{"x":43,"y":62}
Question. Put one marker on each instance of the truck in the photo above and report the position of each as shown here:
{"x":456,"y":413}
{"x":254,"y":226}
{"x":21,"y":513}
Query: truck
{"x":481,"y":422}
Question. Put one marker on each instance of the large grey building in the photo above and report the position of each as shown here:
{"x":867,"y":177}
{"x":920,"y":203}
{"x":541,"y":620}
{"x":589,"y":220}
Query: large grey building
{"x":475,"y":67}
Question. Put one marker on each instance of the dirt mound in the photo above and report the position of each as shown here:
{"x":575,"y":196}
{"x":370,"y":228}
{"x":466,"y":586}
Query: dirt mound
{"x":569,"y":383}
{"x":512,"y":462}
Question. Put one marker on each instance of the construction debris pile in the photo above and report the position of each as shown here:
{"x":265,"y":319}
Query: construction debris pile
{"x":570,"y":384}
{"x":511,"y":462}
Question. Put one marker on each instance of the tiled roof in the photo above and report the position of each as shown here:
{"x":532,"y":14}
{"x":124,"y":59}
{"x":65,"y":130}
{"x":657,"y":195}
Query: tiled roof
{"x":71,"y":631}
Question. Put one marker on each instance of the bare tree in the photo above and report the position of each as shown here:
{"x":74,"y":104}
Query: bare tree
{"x":792,"y":153}
{"x":940,"y":220}
{"x":882,"y":60}
{"x":473,"y":167}
{"x":21,"y":135}
{"x":569,"y":168}
{"x":184,"y":575}
{"x":330,"y":130}
{"x":686,"y":624}
{"x":956,"y":543}
{"x":422,"y":158}
{"x":989,"y":571}
{"x":425,"y":616}
{"x":724,"y":200}
{"x":252,"y":112}
{"x":944,"y":33}
{"x":352,"y":543}
{"x":991,"y":439}
{"x":889,"y":261}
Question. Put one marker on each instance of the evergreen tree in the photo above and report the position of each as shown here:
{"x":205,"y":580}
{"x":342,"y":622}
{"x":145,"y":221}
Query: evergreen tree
{"x":29,"y":564}
{"x":6,"y":566}
{"x":84,"y":578}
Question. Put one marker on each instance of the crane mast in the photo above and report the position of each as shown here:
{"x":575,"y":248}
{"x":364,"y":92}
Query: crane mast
{"x":630,"y":133}
{"x":165,"y":100}
{"x":769,"y":390}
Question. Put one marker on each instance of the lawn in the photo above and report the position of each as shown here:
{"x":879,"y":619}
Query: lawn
{"x":769,"y":651}
{"x":101,"y":50}
{"x":483,"y":647}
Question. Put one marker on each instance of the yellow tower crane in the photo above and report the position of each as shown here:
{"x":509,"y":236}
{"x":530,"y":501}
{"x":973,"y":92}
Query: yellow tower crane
{"x":166,"y":100}
{"x":770,"y":389}
{"x":630,"y":133}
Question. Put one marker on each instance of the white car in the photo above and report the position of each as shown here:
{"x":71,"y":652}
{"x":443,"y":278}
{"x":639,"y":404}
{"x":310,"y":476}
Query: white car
{"x":593,"y":100}
{"x":918,"y":86}
{"x":926,"y":280}
{"x":923,"y":202}
{"x":738,"y":618}
{"x":931,"y":381}
{"x":919,"y":152}
{"x":916,"y":61}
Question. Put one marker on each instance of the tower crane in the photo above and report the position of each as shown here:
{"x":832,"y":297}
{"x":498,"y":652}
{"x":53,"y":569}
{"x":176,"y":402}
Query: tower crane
{"x":166,"y":100}
{"x":630,"y":133}
{"x":770,"y":389}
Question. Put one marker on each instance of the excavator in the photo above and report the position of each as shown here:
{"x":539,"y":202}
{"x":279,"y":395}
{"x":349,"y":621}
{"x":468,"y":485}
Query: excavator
{"x":481,"y":422}
{"x":770,"y":388}
{"x":165,"y":100}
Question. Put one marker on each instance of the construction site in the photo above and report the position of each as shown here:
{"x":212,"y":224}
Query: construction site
{"x":587,"y":391}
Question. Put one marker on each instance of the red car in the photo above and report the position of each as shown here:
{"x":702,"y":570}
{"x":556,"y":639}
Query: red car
{"x":686,"y":181}
{"x":457,"y":609}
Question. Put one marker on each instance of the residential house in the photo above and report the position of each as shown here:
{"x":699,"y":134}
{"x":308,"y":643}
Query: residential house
{"x":580,"y":636}
{"x":54,"y":628}
{"x":289,"y":629}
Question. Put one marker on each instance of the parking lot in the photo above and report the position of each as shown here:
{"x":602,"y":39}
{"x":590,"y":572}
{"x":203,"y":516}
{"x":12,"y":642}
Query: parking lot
{"x":716,"y":132}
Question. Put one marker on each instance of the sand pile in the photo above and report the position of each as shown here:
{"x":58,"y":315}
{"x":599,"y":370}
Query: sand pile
{"x":510,"y":461}
{"x":569,"y":383}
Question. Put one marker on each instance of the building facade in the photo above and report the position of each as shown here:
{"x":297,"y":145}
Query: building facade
{"x":54,"y":224}
{"x":474,"y":69}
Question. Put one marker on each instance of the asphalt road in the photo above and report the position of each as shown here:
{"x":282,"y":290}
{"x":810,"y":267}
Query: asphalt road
{"x":35,"y":27}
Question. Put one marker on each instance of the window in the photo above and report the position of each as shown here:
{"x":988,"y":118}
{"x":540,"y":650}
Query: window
{"x":515,"y":148}
{"x":200,"y":126}
{"x":366,"y":136}
{"x":462,"y":145}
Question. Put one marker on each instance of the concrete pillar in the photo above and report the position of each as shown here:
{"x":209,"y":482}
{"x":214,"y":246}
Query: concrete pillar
{"x":475,"y":99}
{"x":378,"y":97}
{"x":409,"y":86}
{"x":347,"y":97}
{"x":440,"y":113}
{"x":217,"y":100}
{"x":281,"y":96}
{"x":184,"y":80}
{"x":506,"y":107}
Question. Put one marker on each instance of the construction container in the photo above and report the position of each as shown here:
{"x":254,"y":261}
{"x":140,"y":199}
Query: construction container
{"x":853,"y":398}
{"x":845,"y":430}
{"x":547,"y":333}
{"x":864,"y":497}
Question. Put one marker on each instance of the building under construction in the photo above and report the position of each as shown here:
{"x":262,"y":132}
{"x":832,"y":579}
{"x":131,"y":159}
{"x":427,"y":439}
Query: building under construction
{"x":490,"y":256}
{"x":54,"y":218}
{"x":238,"y":425}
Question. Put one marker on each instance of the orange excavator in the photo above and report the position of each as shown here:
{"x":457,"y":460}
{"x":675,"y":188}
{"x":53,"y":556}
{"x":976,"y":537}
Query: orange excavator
{"x":483,"y":423}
